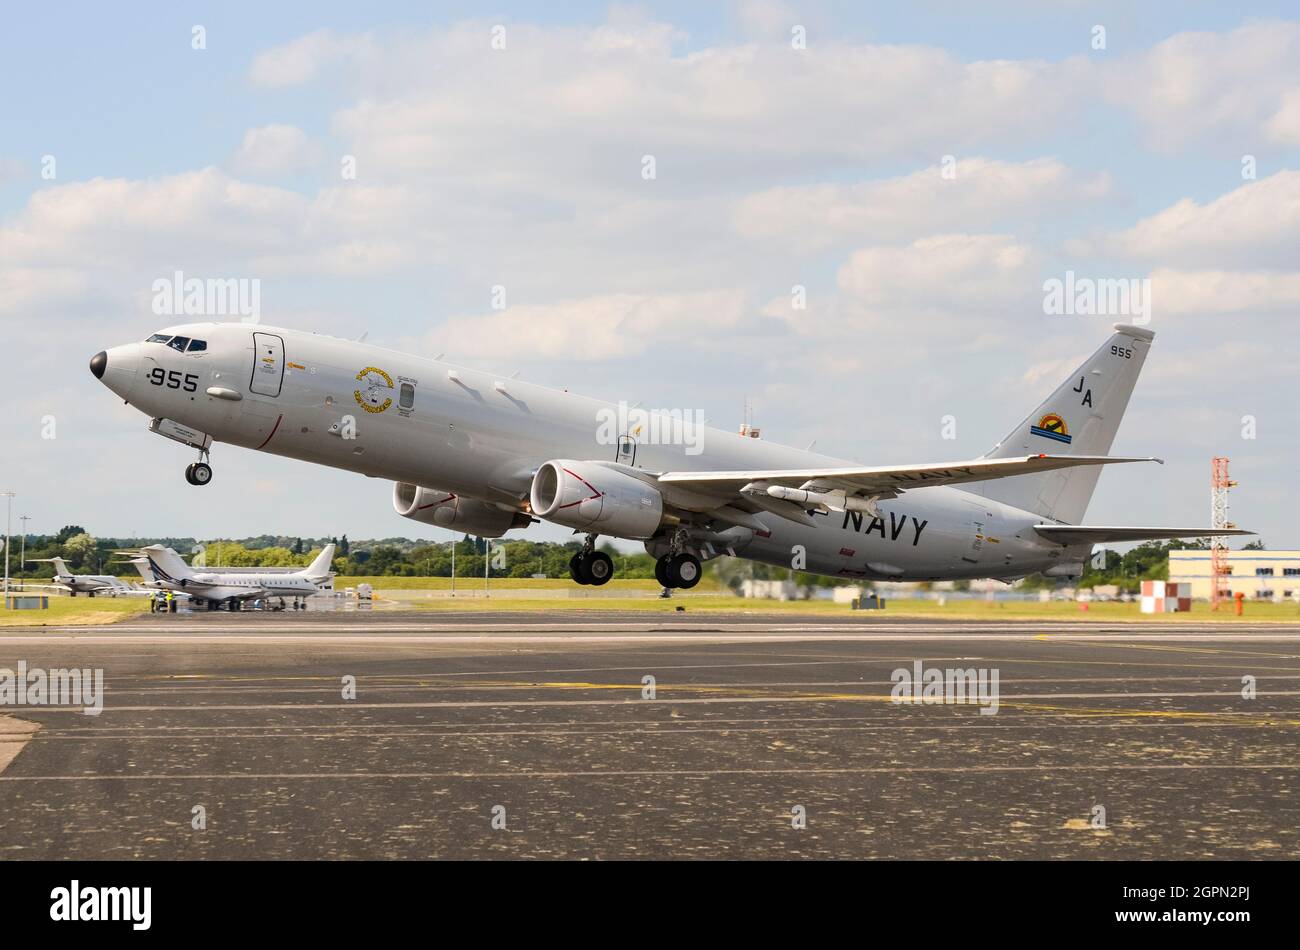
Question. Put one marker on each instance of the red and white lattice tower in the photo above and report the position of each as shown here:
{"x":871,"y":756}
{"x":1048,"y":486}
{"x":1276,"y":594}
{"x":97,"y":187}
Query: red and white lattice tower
{"x":1219,"y":569}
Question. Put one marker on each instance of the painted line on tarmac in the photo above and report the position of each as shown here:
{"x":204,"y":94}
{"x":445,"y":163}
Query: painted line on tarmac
{"x":613,"y":638}
{"x":643,"y":773}
{"x":811,"y":697}
{"x":695,"y":626}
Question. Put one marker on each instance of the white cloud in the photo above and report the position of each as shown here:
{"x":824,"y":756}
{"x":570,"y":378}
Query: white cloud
{"x":304,"y":58}
{"x":275,"y":150}
{"x":984,"y":193}
{"x":1255,"y":225}
{"x":1224,"y":293}
{"x":206,"y":219}
{"x":36,"y":291}
{"x":768,"y":19}
{"x":599,"y":328}
{"x":446,"y":104}
{"x":963,"y":273}
{"x":1227,"y":89}
{"x":1284,"y":126}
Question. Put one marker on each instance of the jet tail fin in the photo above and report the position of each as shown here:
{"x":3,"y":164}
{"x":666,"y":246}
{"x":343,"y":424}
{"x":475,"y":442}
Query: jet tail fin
{"x":1080,"y":418}
{"x":320,"y":568}
{"x":59,"y":566}
{"x":165,"y":564}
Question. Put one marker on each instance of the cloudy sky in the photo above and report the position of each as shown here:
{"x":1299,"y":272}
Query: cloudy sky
{"x":920,"y":169}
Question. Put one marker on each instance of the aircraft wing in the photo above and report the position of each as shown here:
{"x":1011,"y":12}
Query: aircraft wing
{"x":889,"y":480}
{"x":1099,"y":534}
{"x":238,"y":593}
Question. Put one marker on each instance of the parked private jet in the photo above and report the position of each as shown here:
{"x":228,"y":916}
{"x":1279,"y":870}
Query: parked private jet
{"x":89,"y":584}
{"x":480,"y":453}
{"x":163,"y":569}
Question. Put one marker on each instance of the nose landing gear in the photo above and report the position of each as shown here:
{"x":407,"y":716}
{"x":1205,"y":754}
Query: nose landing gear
{"x":199,"y":473}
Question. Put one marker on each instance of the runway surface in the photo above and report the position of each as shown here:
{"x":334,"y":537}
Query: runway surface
{"x":535,"y":735}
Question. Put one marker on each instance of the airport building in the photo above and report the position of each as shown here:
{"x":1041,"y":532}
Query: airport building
{"x":1260,"y":575}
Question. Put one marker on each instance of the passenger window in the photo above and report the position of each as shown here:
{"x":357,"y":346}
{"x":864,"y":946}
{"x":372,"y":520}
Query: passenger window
{"x":197,"y":346}
{"x":178,"y":343}
{"x":406,"y":398}
{"x":158,"y":338}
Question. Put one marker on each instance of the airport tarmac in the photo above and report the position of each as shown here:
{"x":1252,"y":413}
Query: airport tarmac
{"x":514,"y":735}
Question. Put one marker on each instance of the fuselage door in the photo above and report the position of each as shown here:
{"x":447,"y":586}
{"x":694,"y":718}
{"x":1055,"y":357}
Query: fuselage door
{"x":268,"y":364}
{"x":625,"y":453}
{"x":980,"y":529}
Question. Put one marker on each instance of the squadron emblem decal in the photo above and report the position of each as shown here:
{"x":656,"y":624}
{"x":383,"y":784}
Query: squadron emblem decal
{"x":1052,"y":426}
{"x":376,"y":385}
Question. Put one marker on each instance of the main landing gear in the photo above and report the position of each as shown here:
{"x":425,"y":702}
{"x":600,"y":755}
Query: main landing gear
{"x":590,"y":566}
{"x":678,"y":568}
{"x":200,"y":472}
{"x":678,"y":571}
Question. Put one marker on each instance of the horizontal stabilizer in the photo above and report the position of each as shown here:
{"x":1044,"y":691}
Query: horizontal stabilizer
{"x":1100,"y":534}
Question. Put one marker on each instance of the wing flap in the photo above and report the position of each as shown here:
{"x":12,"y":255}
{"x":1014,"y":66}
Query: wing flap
{"x":1101,"y":534}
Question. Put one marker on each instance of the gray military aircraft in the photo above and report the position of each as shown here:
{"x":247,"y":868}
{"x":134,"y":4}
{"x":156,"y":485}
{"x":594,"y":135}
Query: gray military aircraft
{"x":483,"y":454}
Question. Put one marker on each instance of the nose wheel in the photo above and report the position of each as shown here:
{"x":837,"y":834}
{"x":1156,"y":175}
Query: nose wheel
{"x":200,"y":472}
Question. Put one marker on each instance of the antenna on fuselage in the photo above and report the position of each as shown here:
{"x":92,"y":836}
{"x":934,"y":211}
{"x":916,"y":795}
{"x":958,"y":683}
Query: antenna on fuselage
{"x":747,"y":428}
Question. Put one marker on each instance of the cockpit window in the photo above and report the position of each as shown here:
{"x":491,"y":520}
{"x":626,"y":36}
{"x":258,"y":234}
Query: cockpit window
{"x":197,"y":346}
{"x":179,"y":343}
{"x":158,"y":338}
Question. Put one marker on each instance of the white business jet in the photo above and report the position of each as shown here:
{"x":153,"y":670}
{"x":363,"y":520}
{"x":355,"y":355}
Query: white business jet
{"x":163,"y":569}
{"x":89,"y":584}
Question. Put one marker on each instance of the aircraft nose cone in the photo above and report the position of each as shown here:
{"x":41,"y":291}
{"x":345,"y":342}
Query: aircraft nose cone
{"x":117,"y":368}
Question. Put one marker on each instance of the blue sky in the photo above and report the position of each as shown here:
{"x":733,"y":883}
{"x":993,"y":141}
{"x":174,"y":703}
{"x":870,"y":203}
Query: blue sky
{"x":520,"y":167}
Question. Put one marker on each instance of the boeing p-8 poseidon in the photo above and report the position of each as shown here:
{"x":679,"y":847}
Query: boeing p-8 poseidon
{"x":483,"y":454}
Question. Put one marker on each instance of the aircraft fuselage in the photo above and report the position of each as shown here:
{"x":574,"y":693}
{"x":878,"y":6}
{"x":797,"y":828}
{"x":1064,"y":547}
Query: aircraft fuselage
{"x":404,"y":418}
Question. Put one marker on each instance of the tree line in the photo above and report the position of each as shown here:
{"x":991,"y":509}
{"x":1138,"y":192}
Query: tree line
{"x":404,"y":557}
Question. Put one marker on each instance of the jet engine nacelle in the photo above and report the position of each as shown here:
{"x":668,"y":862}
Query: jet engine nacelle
{"x":589,"y":496}
{"x":448,"y":510}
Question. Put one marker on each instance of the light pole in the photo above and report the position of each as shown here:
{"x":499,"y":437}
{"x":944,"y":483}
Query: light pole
{"x":453,"y":564}
{"x":22,"y":558}
{"x":9,"y":520}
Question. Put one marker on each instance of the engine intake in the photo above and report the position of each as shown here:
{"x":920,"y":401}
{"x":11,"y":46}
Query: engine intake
{"x":449,"y":510}
{"x":590,"y":496}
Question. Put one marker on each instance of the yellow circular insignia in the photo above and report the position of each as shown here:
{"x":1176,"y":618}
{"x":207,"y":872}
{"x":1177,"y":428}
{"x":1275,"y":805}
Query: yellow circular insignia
{"x":1053,"y":423}
{"x":376,"y":384}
